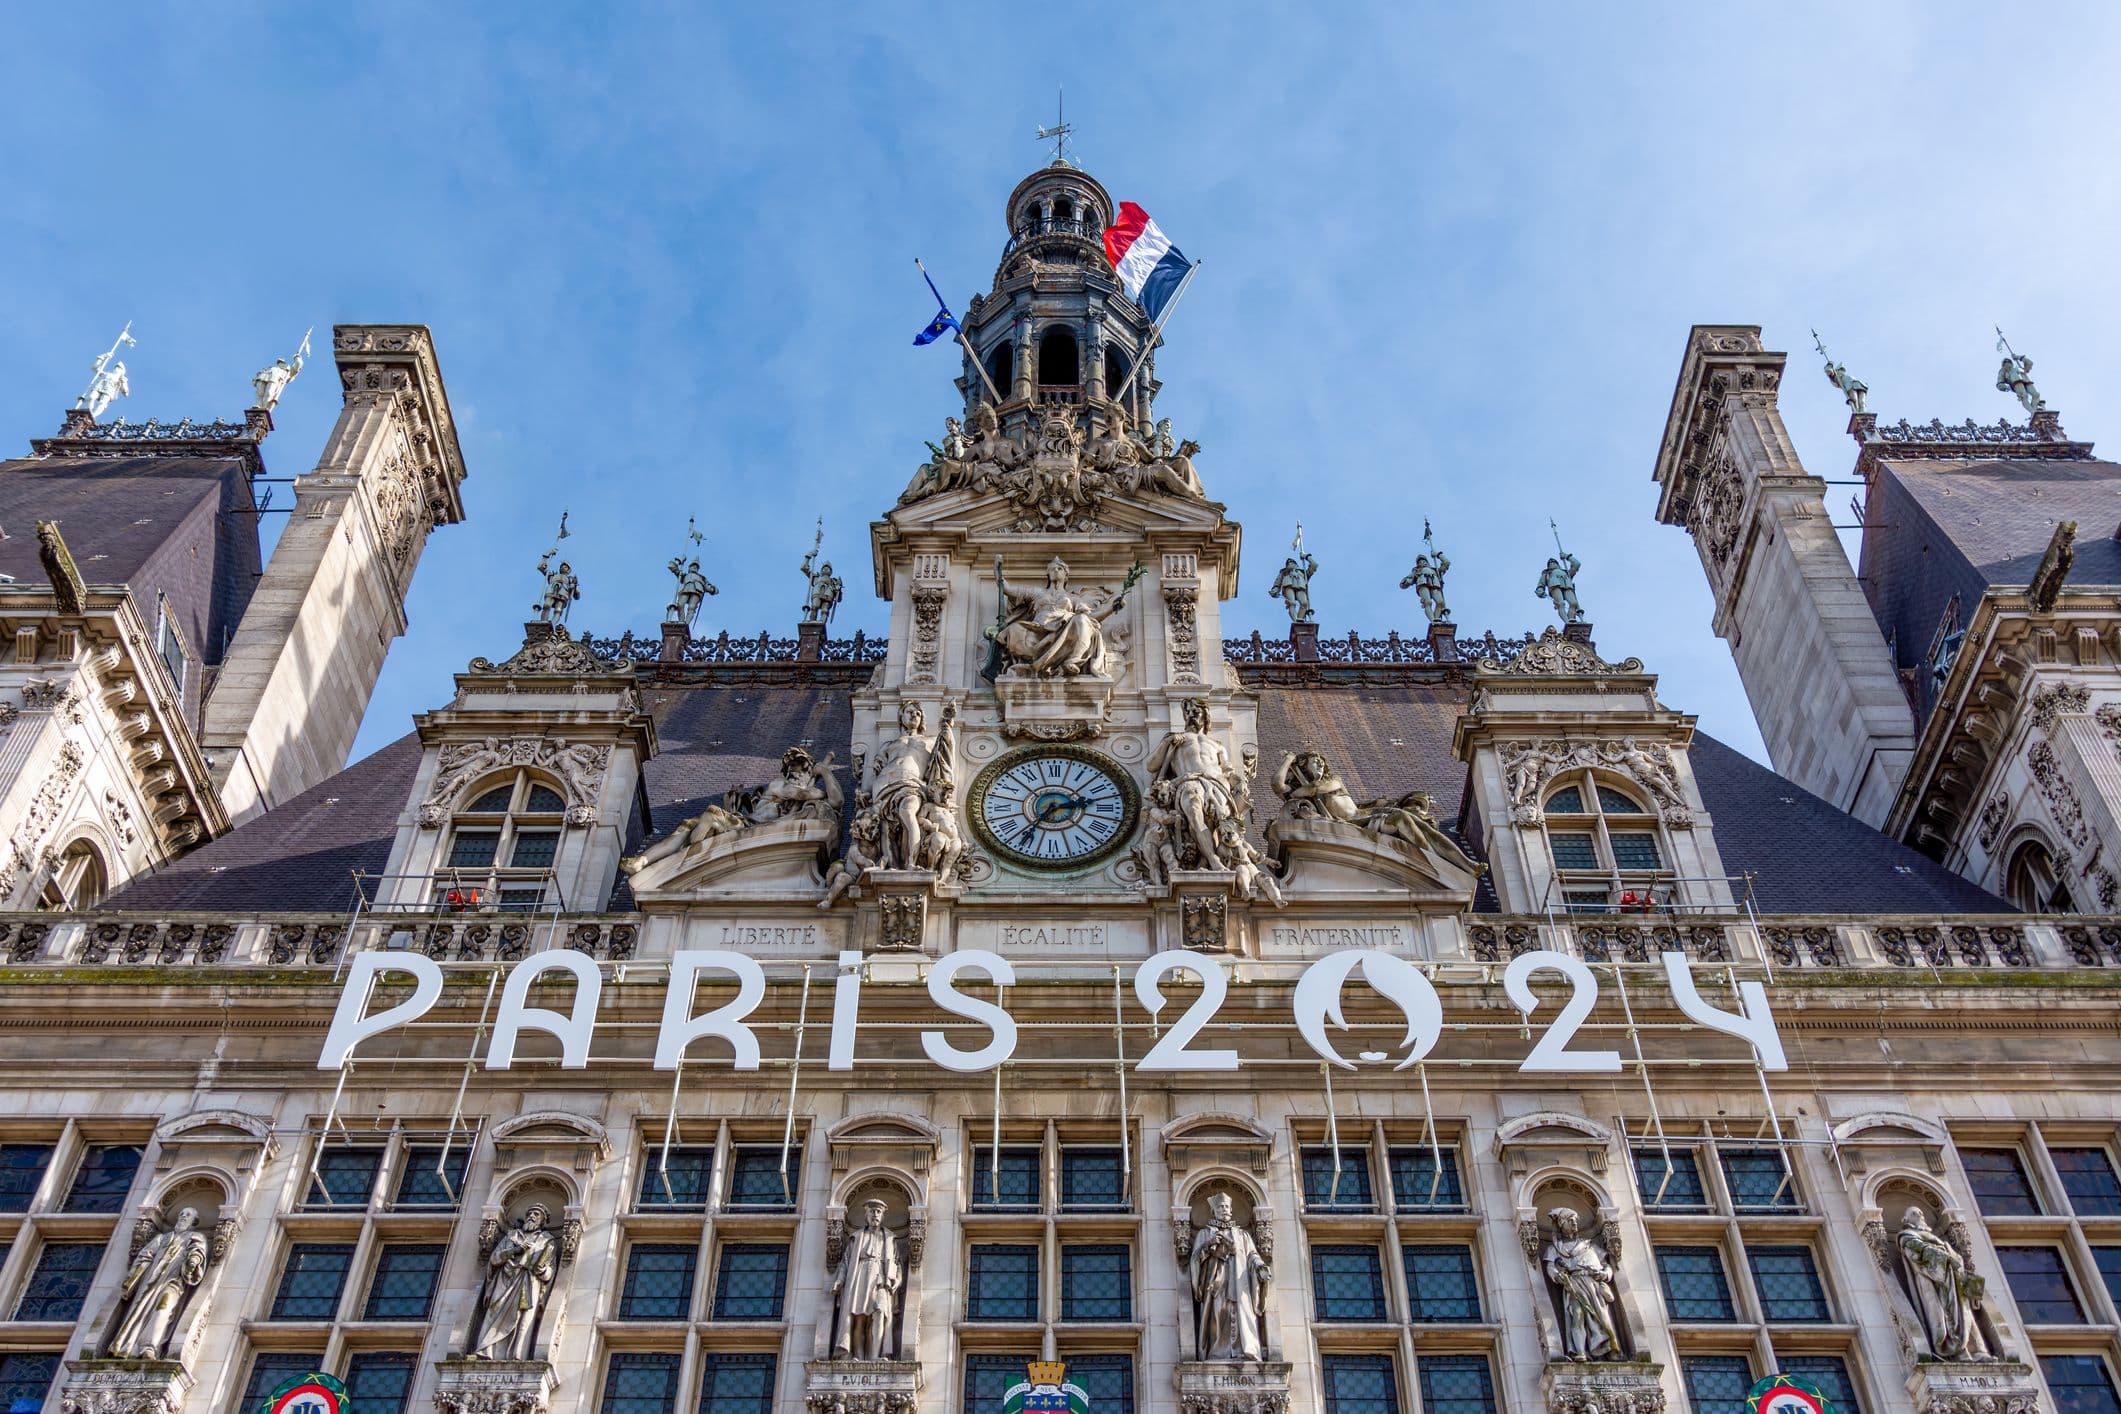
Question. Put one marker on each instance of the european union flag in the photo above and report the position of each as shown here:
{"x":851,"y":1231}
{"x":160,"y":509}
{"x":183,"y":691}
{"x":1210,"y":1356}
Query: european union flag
{"x":943,"y":318}
{"x":936,"y":326}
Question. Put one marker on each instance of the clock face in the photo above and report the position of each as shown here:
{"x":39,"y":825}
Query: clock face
{"x":1053,"y":807}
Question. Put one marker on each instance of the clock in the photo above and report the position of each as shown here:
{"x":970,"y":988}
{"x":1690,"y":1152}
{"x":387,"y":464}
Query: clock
{"x":1054,"y":807}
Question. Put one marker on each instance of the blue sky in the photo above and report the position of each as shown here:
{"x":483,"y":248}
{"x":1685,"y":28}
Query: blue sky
{"x":1452,"y":254}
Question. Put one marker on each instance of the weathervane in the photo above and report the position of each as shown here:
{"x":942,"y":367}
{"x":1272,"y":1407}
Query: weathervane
{"x":1059,"y":133}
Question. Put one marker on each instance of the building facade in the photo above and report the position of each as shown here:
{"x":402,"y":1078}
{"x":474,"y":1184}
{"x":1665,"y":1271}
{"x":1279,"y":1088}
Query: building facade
{"x":1438,"y":1023}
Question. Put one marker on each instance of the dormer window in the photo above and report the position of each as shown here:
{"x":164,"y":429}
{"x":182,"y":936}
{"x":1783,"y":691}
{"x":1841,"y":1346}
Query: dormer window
{"x":1608,"y":848}
{"x":169,"y":645}
{"x":2033,"y":882}
{"x":502,"y":846}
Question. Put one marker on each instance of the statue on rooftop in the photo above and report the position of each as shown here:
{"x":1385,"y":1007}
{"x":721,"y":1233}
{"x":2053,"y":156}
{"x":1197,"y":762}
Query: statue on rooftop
{"x":562,"y":589}
{"x":1310,"y":789}
{"x":1426,"y":578}
{"x":1853,"y":390}
{"x":697,"y":832}
{"x":108,"y":380}
{"x":693,"y":589}
{"x":1293,"y":585}
{"x":1055,"y":631}
{"x":2016,"y":376}
{"x":806,"y":789}
{"x":1557,"y":583}
{"x":948,"y":466}
{"x":1173,"y":473}
{"x":823,"y":590}
{"x":272,"y":382}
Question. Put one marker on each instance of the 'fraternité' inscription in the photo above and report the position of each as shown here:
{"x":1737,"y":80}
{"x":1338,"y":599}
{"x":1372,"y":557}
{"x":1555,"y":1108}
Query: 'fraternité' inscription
{"x":1338,"y":935}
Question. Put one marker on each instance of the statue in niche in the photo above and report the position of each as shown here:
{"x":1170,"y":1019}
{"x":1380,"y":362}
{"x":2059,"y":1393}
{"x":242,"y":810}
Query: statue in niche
{"x":696,"y":833}
{"x":1229,"y":1279}
{"x":1206,"y":788}
{"x":1054,"y":631}
{"x":1557,"y":585}
{"x":1945,"y":1292}
{"x":1293,"y":584}
{"x":1581,"y":1274}
{"x":693,"y":589}
{"x":865,"y":1286}
{"x":519,"y":1278}
{"x":899,"y":780}
{"x":158,"y":1284}
{"x":806,"y":789}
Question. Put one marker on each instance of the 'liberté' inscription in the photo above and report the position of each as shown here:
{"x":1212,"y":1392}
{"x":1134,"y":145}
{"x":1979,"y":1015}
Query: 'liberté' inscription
{"x":771,"y":935}
{"x":1316,"y":1008}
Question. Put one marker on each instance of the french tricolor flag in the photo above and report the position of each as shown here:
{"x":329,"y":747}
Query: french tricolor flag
{"x":1150,"y":268}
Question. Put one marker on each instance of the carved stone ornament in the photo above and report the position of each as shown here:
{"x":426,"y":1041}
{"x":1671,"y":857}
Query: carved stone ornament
{"x":1994,"y":816}
{"x":1556,"y":656}
{"x":1182,"y":628}
{"x":1217,"y":1387}
{"x":42,"y":816}
{"x":926,"y":663}
{"x":1579,"y":1270}
{"x":1632,"y":1387}
{"x":1228,"y":1276}
{"x":493,"y":1387}
{"x":904,"y":922}
{"x":1528,"y":766}
{"x":1998,"y":1387}
{"x":2054,"y":702}
{"x":862,"y":1387}
{"x":2061,"y":797}
{"x":124,"y":1387}
{"x":166,"y":1269}
{"x":579,"y":767}
{"x":1205,"y":922}
{"x":546,"y":654}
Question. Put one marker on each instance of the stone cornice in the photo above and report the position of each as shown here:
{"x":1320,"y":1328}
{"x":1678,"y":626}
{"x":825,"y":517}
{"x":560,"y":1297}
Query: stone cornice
{"x":1718,"y":357}
{"x":399,"y":360}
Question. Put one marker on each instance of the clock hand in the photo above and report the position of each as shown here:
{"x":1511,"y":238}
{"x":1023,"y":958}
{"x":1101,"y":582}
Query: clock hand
{"x":1045,"y":812}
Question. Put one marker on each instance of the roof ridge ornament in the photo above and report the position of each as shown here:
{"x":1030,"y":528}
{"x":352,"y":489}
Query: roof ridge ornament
{"x":1556,"y":655}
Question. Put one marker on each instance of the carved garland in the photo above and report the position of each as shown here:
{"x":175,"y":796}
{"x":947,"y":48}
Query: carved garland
{"x":1179,"y":602}
{"x":928,"y":601}
{"x":42,"y":815}
{"x":580,"y":769}
{"x":2062,"y":802}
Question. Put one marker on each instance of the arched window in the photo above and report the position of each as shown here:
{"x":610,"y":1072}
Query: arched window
{"x":1608,"y":849}
{"x":1058,"y":364}
{"x":1001,"y":365}
{"x":1063,"y":213}
{"x":1116,"y":370}
{"x":79,"y":881}
{"x":501,"y":846}
{"x":2034,"y":883}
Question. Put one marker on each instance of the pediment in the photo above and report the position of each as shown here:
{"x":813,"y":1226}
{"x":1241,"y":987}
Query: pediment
{"x":210,"y":1126}
{"x":1152,"y":524}
{"x":884,"y":1129}
{"x":1886,"y":1126}
{"x":552,"y":1127}
{"x":1215,"y":1129}
{"x":778,"y":861}
{"x":1552,"y":1125}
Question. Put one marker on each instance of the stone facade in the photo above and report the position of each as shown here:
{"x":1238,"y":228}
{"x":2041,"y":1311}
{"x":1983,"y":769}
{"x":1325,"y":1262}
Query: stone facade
{"x":1064,"y":995}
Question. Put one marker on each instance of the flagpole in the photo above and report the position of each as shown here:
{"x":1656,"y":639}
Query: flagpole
{"x":1156,"y":332}
{"x":959,"y":330}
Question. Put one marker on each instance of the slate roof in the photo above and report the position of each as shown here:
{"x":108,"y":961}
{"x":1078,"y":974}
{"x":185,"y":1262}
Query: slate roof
{"x":175,"y":526}
{"x":1807,"y":857}
{"x":1945,"y":528}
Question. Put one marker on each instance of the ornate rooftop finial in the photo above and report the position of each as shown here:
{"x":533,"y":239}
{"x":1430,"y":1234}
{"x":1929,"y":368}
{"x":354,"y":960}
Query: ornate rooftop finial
{"x":2016,"y":376}
{"x":1557,"y":582}
{"x":1059,"y":133}
{"x":822,"y":595}
{"x":1557,"y":656}
{"x":108,"y":381}
{"x":1426,"y":578}
{"x":562,"y":589}
{"x":272,"y":382}
{"x":1853,"y":390}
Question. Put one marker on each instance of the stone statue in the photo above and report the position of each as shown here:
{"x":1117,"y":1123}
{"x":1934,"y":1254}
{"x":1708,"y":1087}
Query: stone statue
{"x":1853,"y":390}
{"x":1173,"y":473}
{"x":273,"y":381}
{"x":824,"y":591}
{"x":1310,"y":789}
{"x":941,"y":844}
{"x":1412,"y":820}
{"x":108,"y":384}
{"x":1205,"y":788}
{"x":694,"y":833}
{"x":1116,"y":453}
{"x":806,"y":789}
{"x":899,"y":779}
{"x":1054,"y":631}
{"x":519,"y":1277}
{"x":1582,"y":1277}
{"x":992,"y":453}
{"x":866,"y":1284}
{"x":1426,"y":579}
{"x":1229,"y":1279}
{"x":1557,"y":585}
{"x":861,"y":856}
{"x":1946,"y":1294}
{"x":693,"y":589}
{"x":948,"y":466}
{"x":2014,"y":377}
{"x":108,"y":378}
{"x":1293,"y":585}
{"x":1157,"y":854}
{"x":1255,"y":878}
{"x":157,"y":1285}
